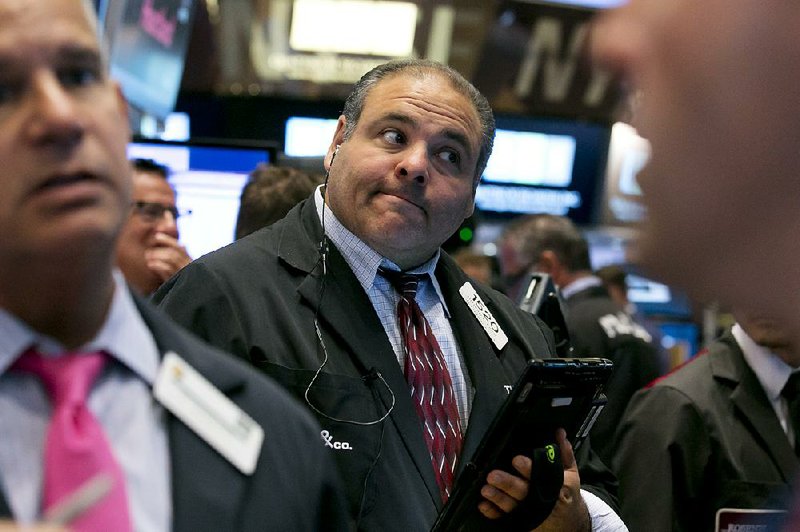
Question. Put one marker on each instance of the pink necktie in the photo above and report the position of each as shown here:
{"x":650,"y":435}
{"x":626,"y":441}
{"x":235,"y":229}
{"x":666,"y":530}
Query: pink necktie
{"x":430,"y":383}
{"x":76,"y":449}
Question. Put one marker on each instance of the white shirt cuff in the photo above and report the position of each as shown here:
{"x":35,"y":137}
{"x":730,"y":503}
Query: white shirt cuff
{"x":604,"y":519}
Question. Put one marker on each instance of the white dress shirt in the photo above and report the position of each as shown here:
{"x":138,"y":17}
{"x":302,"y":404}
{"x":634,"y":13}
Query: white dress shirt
{"x":772,"y":372}
{"x":120,"y":399}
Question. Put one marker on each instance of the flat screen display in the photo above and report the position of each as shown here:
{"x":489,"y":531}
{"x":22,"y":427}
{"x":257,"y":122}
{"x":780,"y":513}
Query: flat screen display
{"x":308,"y":136}
{"x":657,"y":299}
{"x":208,"y":178}
{"x":544,"y":166}
{"x":148,"y":46}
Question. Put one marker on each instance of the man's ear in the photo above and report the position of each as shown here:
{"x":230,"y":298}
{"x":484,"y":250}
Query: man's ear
{"x":548,"y":263}
{"x":470,"y":209}
{"x":338,"y":139}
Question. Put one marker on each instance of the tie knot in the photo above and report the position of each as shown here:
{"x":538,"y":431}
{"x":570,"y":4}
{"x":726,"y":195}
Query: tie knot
{"x":791,"y":390}
{"x":405,"y":283}
{"x":67,"y":378}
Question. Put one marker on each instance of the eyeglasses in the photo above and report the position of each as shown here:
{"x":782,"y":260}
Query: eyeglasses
{"x":153,"y":212}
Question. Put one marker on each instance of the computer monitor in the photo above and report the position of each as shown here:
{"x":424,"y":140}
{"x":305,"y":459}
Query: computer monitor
{"x":657,"y":299}
{"x":308,"y":136}
{"x":208,"y":177}
{"x":542,"y":165}
{"x":148,"y":41}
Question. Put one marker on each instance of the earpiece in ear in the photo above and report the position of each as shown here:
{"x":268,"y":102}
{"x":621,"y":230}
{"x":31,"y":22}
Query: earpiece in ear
{"x":335,"y":152}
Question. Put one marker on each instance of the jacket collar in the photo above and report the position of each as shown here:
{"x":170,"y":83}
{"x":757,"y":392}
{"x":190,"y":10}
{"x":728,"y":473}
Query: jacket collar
{"x":749,"y":398}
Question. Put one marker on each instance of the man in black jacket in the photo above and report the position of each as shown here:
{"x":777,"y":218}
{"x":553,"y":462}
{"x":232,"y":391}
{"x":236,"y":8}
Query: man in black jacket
{"x":597,"y":326}
{"x":308,"y":301}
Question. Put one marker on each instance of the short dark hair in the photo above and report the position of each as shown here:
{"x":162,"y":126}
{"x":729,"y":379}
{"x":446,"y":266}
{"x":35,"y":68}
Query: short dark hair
{"x":354,"y":104}
{"x":151,"y":167}
{"x":270,"y":193}
{"x":529,"y":236}
{"x":613,"y":275}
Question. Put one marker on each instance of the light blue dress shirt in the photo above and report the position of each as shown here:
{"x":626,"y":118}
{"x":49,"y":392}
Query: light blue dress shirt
{"x":121,"y":399}
{"x":364,"y":261}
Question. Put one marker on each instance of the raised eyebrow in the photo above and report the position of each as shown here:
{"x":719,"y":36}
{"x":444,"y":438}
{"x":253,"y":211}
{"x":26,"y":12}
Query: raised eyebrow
{"x":79,"y":54}
{"x":65,"y":55}
{"x":397,"y":117}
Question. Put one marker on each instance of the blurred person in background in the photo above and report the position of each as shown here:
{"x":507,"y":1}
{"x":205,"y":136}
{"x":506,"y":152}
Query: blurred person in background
{"x":477,"y":266}
{"x":597,"y":326}
{"x":148,"y":251}
{"x":271,"y":192}
{"x":615,"y":279}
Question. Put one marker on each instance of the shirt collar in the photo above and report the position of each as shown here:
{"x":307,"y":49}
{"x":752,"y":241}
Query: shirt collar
{"x":362,"y":259}
{"x":123,"y":335}
{"x":579,"y":285}
{"x":771,"y":371}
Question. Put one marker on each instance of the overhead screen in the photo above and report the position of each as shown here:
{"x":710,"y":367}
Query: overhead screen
{"x":148,"y":44}
{"x":544,"y":166}
{"x":307,"y":136}
{"x":208,"y":179}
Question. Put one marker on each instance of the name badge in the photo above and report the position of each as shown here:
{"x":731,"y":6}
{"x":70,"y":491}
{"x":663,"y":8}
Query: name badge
{"x":211,"y":415}
{"x":485,"y":318}
{"x":748,"y":520}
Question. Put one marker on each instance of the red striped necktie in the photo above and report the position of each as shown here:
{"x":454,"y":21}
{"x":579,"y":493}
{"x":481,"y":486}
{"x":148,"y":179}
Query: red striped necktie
{"x":429,"y":382}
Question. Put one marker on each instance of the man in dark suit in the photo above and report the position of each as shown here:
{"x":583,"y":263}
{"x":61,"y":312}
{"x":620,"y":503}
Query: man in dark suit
{"x":713,"y":434}
{"x":308,"y":300}
{"x":97,"y":388}
{"x":597,"y":326}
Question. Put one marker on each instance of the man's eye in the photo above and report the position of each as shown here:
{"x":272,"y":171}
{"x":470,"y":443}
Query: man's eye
{"x":5,"y":93}
{"x":78,"y":77}
{"x":450,"y":156}
{"x":393,"y":137}
{"x":8,"y":91}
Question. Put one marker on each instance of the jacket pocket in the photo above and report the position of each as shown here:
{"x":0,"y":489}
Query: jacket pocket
{"x":348,"y":410}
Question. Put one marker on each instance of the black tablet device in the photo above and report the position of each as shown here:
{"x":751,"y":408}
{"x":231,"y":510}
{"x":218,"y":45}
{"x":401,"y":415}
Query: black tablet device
{"x":551,"y":393}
